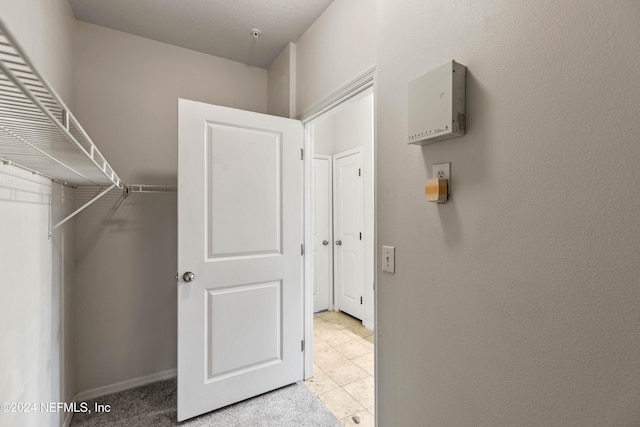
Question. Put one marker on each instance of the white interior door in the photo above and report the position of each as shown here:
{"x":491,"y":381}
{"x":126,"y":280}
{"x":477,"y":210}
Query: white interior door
{"x":239,"y":233}
{"x":348,"y":226}
{"x":322,"y":232}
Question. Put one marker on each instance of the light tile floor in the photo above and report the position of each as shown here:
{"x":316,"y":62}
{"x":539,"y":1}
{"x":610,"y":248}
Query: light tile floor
{"x":343,"y":367}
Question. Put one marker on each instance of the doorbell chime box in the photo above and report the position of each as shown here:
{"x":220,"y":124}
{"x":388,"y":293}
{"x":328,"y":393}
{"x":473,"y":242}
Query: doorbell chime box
{"x":437,"y":105}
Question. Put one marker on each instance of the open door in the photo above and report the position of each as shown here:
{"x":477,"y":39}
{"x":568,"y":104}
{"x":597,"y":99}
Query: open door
{"x":240,"y":286}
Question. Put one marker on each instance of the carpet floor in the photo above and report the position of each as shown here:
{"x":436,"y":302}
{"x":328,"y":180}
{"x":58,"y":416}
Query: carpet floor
{"x":155,"y":405}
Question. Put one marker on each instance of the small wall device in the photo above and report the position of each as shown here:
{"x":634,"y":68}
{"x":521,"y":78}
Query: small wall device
{"x":436,"y":190}
{"x":437,"y":105}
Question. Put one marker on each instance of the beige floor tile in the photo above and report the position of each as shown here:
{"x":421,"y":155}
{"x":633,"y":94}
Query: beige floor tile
{"x":338,"y":337}
{"x":328,"y":357}
{"x":320,"y":345}
{"x":366,"y":362}
{"x":321,"y":382}
{"x":347,"y":322}
{"x":326,"y":335}
{"x":324,"y":326}
{"x":364,"y":341}
{"x":366,"y":420}
{"x":345,"y":372}
{"x":361,"y":331}
{"x":348,"y":336}
{"x":352,"y":349}
{"x":345,"y":386}
{"x":340,"y":403}
{"x":328,"y":315}
{"x":362,"y":391}
{"x":351,"y":334}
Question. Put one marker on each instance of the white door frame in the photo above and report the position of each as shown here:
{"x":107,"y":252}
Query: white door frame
{"x":363,"y":83}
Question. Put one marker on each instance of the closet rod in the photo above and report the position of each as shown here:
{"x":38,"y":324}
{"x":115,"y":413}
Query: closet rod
{"x":143,"y":188}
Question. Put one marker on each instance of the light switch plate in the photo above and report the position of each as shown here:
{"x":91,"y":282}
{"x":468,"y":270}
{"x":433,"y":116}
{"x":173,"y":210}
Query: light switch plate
{"x":389,"y":259}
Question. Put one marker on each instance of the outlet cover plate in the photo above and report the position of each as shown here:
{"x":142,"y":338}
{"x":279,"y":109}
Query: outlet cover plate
{"x":389,"y":259}
{"x":443,"y":170}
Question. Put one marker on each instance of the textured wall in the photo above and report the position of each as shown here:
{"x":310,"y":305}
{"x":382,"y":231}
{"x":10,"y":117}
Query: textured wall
{"x":36,"y":327}
{"x":127,"y":96}
{"x":516,"y":303}
{"x":44,"y":29}
{"x":281,"y":83}
{"x":127,"y":91}
{"x":336,"y":49}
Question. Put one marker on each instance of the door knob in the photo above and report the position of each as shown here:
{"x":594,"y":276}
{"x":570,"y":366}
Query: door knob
{"x":188,"y":276}
{"x":325,"y":242}
{"x":338,"y":242}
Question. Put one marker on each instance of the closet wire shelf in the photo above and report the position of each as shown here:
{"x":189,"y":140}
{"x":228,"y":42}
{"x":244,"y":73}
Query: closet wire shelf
{"x":38,"y":132}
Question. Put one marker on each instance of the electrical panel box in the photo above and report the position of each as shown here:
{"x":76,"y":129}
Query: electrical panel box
{"x":437,"y":105}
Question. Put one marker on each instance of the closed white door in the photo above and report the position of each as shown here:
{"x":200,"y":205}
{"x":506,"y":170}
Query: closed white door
{"x":322,"y":231}
{"x":348,"y":227}
{"x":239,"y":234}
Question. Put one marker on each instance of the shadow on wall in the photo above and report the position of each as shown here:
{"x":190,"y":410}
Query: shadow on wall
{"x":469,"y":159}
{"x":21,"y":187}
{"x":126,"y":263}
{"x":117,"y":213}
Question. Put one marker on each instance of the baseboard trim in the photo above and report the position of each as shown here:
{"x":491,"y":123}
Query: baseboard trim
{"x":125,"y":385}
{"x":368,"y":325}
{"x":69,"y":416}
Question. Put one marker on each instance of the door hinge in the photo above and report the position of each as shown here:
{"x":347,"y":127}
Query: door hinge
{"x":359,"y":172}
{"x":360,"y":235}
{"x":302,"y":249}
{"x":302,"y":345}
{"x":360,"y":300}
{"x":302,"y":154}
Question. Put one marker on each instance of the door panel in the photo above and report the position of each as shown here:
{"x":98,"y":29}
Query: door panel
{"x":239,"y":232}
{"x":348,"y":227}
{"x":256,"y":312}
{"x":322,"y":232}
{"x":244,"y":218}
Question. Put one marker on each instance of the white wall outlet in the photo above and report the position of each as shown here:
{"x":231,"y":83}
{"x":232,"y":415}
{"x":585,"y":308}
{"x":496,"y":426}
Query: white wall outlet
{"x":443,"y":170}
{"x":389,"y":259}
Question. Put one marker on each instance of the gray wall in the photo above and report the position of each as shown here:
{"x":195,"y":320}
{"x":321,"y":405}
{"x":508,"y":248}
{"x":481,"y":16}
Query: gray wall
{"x":45,"y":31}
{"x":281,"y":78}
{"x":336,"y":49}
{"x":127,"y":95}
{"x":515,"y":303}
{"x":36,"y":310}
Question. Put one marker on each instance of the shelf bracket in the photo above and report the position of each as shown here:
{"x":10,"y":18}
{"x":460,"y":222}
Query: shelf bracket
{"x":80,"y":209}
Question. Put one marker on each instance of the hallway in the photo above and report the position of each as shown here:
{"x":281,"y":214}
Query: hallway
{"x":344,"y":367}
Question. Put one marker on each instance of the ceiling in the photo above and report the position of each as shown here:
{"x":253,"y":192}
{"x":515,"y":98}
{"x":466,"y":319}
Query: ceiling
{"x":217,"y":27}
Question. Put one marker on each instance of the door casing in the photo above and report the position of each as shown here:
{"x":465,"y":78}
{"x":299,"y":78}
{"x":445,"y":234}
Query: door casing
{"x":360,"y":85}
